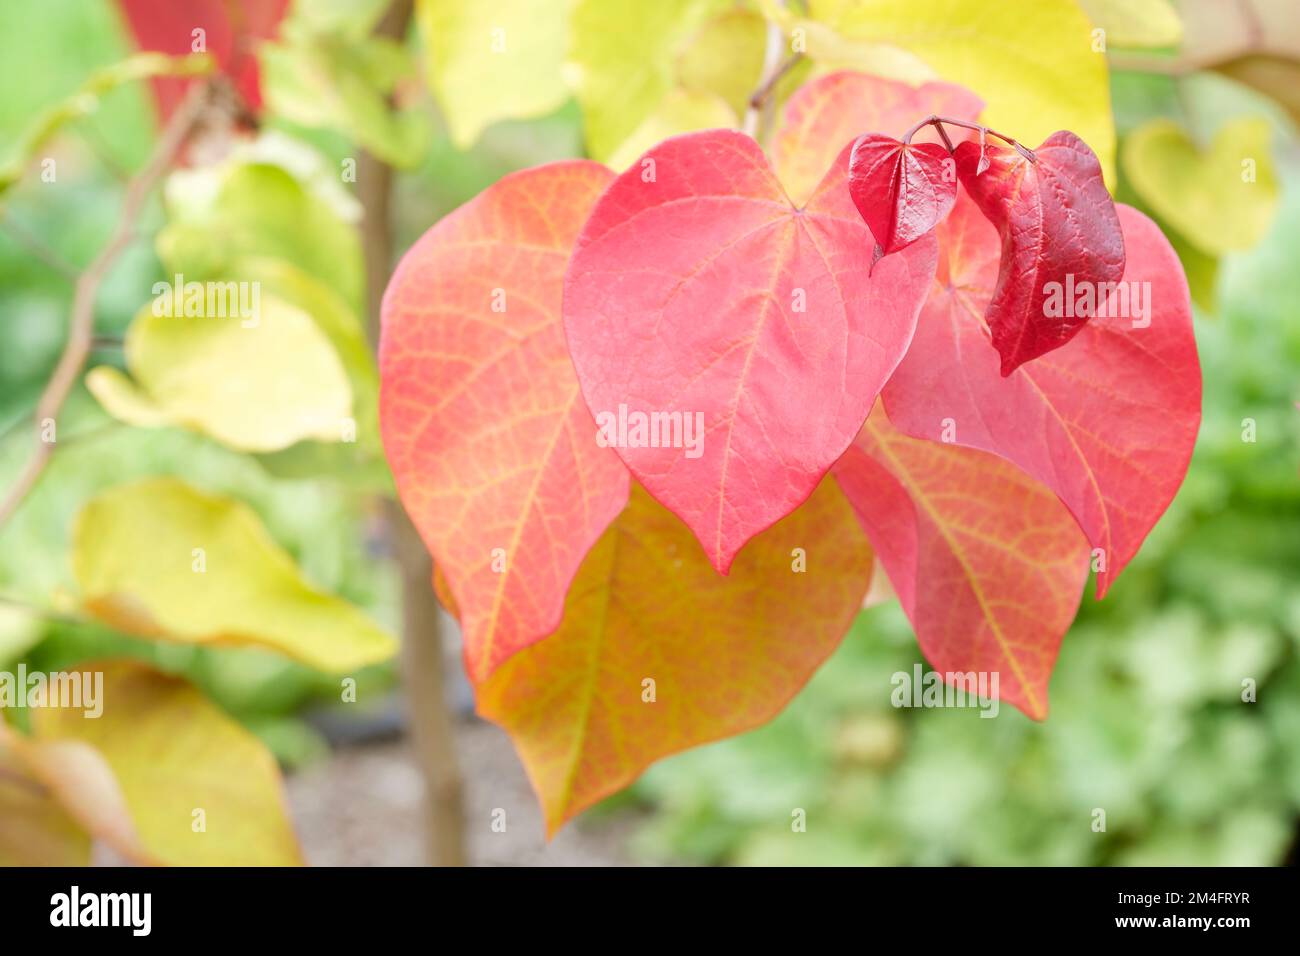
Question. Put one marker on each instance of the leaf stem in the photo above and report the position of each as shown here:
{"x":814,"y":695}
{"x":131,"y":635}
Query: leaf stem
{"x":938,"y":123}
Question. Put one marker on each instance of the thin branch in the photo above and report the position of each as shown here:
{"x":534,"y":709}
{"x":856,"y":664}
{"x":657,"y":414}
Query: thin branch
{"x":760,"y":96}
{"x":95,"y":140}
{"x":938,"y":123}
{"x":82,"y":324}
{"x":37,"y":248}
{"x":773,"y":71}
{"x":423,"y":670}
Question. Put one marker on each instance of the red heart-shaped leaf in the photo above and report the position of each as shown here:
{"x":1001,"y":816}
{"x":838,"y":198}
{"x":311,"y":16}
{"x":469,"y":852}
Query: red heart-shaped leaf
{"x":752,"y":332}
{"x":1059,"y":233}
{"x":902,"y":190}
{"x":1108,"y":423}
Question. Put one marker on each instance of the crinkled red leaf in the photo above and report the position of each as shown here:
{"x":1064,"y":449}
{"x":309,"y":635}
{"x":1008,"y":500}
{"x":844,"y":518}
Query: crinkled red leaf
{"x":987,"y":564}
{"x":701,"y":290}
{"x":492,"y":447}
{"x":1108,"y":422}
{"x":1058,"y":225}
{"x":902,"y":191}
{"x":231,"y":30}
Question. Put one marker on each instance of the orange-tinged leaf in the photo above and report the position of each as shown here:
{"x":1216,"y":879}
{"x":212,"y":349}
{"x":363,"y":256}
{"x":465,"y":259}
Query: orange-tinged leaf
{"x":699,"y":295}
{"x":724,"y":653}
{"x":35,"y":830}
{"x":135,"y":776}
{"x":987,"y":563}
{"x":829,"y":113}
{"x":1107,"y":422}
{"x":80,"y":780}
{"x":493,"y":450}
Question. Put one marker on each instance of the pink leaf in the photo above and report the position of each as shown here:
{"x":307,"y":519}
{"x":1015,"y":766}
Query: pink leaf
{"x":1108,"y":422}
{"x":698,"y":291}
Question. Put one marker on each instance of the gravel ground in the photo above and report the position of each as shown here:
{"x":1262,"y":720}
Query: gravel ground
{"x":362,"y":808}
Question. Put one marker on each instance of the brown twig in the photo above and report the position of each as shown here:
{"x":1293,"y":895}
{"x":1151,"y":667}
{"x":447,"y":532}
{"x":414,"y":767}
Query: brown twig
{"x":423,"y":671}
{"x":81,"y":327}
{"x":761,"y":94}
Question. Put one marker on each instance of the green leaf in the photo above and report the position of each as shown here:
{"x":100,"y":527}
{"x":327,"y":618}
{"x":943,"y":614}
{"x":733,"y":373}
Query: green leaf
{"x":1202,"y":271}
{"x":332,"y":81}
{"x":680,"y":111}
{"x":161,"y":559}
{"x":86,"y":100}
{"x":1223,"y":199}
{"x":725,"y":57}
{"x":622,"y":62}
{"x":259,"y":382}
{"x":248,"y":209}
{"x":353,"y":19}
{"x":487,"y":62}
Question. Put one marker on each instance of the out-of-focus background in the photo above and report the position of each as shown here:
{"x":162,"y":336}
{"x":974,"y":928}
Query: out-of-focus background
{"x":1147,"y":719}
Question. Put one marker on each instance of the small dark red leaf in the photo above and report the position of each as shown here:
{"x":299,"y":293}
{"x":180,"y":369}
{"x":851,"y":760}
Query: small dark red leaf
{"x":1060,"y":233}
{"x":902,"y":191}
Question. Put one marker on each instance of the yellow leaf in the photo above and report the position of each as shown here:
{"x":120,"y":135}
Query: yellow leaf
{"x":1220,"y":200}
{"x":681,"y":111}
{"x":657,"y":652}
{"x":341,"y":326}
{"x":1032,"y":63}
{"x":494,"y":61}
{"x":833,"y":52}
{"x":162,"y":775}
{"x":161,"y":559}
{"x":622,"y":62}
{"x":260,"y":380}
{"x":34,"y":829}
{"x":1136,"y":23}
{"x":725,"y":56}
